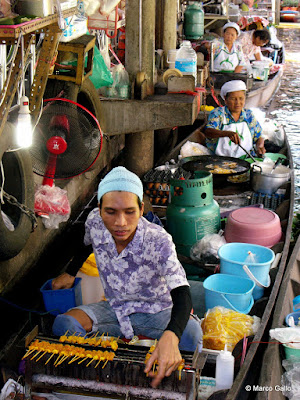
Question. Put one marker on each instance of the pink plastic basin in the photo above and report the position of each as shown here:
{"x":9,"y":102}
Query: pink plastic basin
{"x":253,"y":225}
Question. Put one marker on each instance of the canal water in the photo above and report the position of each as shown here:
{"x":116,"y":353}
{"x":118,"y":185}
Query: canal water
{"x":287,"y":100}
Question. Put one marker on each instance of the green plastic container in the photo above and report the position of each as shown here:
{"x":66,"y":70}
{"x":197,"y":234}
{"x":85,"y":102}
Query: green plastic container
{"x":193,"y":22}
{"x":193,"y":212}
{"x":274,"y":156}
{"x":291,"y":353}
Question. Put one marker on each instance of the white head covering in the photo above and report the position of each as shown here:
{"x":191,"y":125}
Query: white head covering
{"x":232,"y":25}
{"x":232,"y":86}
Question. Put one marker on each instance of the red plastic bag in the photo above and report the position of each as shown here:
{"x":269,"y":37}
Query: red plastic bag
{"x":52,"y":203}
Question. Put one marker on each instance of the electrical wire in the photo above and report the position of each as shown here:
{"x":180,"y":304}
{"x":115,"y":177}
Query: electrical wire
{"x":3,"y":93}
{"x":30,"y":310}
{"x":2,"y":185}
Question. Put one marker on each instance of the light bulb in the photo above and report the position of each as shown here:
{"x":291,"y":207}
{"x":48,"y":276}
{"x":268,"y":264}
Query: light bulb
{"x":24,"y":127}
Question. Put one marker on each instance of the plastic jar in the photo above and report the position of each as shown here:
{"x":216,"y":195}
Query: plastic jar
{"x":171,"y":58}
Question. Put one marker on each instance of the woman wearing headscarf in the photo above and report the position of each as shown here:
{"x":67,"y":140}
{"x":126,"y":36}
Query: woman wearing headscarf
{"x":228,"y":54}
{"x":233,"y":124}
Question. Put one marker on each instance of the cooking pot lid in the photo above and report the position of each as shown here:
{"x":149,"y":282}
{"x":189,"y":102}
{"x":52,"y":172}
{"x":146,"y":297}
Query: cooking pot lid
{"x":254,"y":216}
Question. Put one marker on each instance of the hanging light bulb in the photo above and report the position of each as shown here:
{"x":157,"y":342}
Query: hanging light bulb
{"x":24,"y":127}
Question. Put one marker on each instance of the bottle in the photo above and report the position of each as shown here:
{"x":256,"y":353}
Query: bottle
{"x":194,"y":21}
{"x":186,"y":59}
{"x":224,"y":369}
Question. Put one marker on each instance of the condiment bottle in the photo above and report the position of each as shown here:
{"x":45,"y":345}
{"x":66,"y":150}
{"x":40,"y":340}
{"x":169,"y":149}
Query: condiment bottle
{"x":224,"y":369}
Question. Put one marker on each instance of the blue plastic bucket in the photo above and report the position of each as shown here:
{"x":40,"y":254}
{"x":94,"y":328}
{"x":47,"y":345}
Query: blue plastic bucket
{"x":233,"y":257}
{"x":296,"y":317}
{"x":60,"y":301}
{"x":229,"y":291}
{"x":296,"y":303}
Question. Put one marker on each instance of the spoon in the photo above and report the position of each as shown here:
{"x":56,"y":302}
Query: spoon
{"x":279,"y":161}
{"x":248,"y":154}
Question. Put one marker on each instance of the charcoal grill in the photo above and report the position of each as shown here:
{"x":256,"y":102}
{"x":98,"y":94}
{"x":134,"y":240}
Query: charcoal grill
{"x":123,"y":377}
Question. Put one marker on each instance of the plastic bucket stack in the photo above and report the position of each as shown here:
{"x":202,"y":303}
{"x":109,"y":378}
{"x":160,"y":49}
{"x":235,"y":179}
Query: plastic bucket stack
{"x":235,"y":260}
{"x":229,"y":291}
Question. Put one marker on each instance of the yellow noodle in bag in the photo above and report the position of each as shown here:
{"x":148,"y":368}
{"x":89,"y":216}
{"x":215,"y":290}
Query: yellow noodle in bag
{"x":224,"y":326}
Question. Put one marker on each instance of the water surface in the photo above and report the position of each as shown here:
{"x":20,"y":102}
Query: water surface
{"x":287,"y":100}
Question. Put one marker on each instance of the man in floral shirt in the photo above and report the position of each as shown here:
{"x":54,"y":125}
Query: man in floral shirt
{"x":145,"y":285}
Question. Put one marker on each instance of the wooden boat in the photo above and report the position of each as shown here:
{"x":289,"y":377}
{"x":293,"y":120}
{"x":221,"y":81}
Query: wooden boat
{"x":262,"y":92}
{"x":272,"y":369}
{"x":263,"y":307}
{"x":247,"y":373}
{"x":259,"y":92}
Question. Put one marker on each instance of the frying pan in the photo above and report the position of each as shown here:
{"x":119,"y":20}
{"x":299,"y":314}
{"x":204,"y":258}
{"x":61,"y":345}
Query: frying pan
{"x":199,"y":163}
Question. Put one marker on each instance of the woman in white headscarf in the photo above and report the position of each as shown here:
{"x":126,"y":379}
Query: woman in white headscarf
{"x":233,"y":124}
{"x":228,"y":54}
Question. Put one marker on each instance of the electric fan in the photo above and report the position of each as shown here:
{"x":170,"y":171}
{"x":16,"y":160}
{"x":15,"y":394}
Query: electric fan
{"x":66,"y":142}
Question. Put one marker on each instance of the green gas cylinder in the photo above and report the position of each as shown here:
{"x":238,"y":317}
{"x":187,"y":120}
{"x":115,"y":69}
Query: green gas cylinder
{"x":193,"y":24}
{"x":192,"y":212}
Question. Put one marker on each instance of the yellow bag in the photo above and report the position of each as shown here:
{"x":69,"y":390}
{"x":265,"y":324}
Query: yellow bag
{"x":224,"y":326}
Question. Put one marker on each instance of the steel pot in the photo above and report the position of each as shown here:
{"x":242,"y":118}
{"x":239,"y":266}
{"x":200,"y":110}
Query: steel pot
{"x":263,"y":181}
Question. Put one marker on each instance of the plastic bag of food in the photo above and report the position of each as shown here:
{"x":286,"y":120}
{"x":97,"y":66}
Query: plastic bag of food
{"x":224,"y":326}
{"x":194,"y":149}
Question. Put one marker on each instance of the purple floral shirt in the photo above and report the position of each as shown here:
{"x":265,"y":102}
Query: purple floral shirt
{"x":140,"y":278}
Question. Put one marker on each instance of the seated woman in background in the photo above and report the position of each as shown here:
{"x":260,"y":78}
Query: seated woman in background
{"x":228,"y":54}
{"x":252,"y":41}
{"x":232,"y":125}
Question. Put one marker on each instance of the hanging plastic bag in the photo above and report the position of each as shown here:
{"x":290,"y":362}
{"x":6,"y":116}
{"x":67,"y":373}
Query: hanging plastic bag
{"x":107,"y":6}
{"x":101,"y":75}
{"x":120,"y":86}
{"x":52,"y":203}
{"x":5,"y":9}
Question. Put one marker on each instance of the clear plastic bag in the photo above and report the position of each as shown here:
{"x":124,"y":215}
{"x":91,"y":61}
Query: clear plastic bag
{"x":5,"y":9}
{"x":52,"y":203}
{"x":7,"y":222}
{"x":194,"y":149}
{"x":290,"y":380}
{"x":120,"y":86}
{"x":273,"y":132}
{"x":207,"y":246}
{"x":224,"y":326}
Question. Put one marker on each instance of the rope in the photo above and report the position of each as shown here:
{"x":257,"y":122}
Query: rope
{"x":189,"y":92}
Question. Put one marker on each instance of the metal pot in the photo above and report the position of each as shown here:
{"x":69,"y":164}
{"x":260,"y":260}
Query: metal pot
{"x":263,"y":181}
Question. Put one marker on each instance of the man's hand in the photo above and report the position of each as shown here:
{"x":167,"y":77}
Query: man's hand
{"x":63,"y":281}
{"x":167,"y":355}
{"x":233,"y":136}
